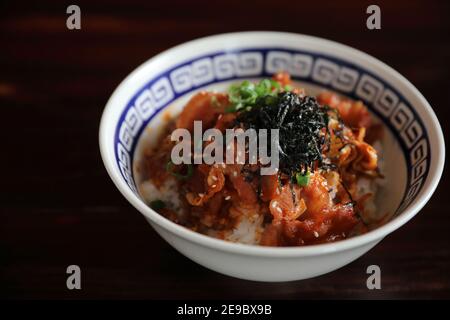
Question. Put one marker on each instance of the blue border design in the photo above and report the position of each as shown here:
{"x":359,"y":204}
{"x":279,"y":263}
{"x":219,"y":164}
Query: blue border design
{"x":333,"y":69}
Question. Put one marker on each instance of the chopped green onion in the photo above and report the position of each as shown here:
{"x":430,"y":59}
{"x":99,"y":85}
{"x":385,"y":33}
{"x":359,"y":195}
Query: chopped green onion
{"x":244,"y":95}
{"x":275,"y":84}
{"x":302,"y":179}
{"x":157,"y":204}
{"x":190,"y":170}
{"x":263,"y":87}
{"x":287,"y":87}
{"x":230,"y":109}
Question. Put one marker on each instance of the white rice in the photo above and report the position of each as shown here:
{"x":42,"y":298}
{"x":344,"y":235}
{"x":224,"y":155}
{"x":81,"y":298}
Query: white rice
{"x":248,"y":230}
{"x":364,"y":186}
{"x":167,"y":193}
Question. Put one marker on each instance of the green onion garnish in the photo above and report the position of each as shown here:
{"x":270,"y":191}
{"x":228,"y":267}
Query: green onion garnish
{"x":244,"y":95}
{"x":302,"y":179}
{"x":157,"y":204}
{"x":190,"y":169}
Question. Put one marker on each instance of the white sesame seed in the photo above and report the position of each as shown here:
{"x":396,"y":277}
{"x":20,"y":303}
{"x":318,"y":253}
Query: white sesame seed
{"x":214,"y":178}
{"x":274,"y":204}
{"x":316,"y":234}
{"x":219,"y":117}
{"x":201,"y":195}
{"x":213,"y":186}
{"x":234,"y":173}
{"x":279,"y":210}
{"x":227,"y":197}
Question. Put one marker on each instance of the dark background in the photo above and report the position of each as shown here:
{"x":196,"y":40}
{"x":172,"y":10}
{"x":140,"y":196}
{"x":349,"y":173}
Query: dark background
{"x":58,"y":206}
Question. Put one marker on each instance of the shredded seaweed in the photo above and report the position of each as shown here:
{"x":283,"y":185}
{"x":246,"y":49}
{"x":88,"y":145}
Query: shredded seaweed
{"x":303,"y":129}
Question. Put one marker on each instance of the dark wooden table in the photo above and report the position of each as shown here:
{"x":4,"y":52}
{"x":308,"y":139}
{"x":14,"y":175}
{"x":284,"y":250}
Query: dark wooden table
{"x":58,"y":205}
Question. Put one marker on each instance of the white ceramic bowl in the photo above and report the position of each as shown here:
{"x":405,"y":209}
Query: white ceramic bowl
{"x":413,"y":144}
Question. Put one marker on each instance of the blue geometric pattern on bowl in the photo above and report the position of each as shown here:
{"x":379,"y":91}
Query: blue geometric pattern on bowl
{"x":322,"y":70}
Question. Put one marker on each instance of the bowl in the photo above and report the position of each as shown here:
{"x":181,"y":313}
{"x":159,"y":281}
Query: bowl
{"x":413,"y":146}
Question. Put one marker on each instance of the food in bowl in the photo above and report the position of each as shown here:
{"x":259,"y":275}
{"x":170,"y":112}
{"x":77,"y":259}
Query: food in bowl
{"x":413,"y":143}
{"x":322,"y":189}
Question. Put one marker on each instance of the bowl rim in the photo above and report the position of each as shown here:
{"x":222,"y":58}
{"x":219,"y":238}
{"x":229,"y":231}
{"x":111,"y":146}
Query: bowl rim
{"x":434,"y":175}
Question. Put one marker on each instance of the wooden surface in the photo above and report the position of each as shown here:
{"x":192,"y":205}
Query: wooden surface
{"x":58,"y":205}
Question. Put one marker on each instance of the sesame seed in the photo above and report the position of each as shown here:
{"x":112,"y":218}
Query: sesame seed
{"x":201,"y":195}
{"x":234,"y":174}
{"x":279,"y":210}
{"x":214,"y":178}
{"x":316,"y":234}
{"x":213,"y":186}
{"x":274,"y":204}
{"x":220,"y":117}
{"x":227,"y":197}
